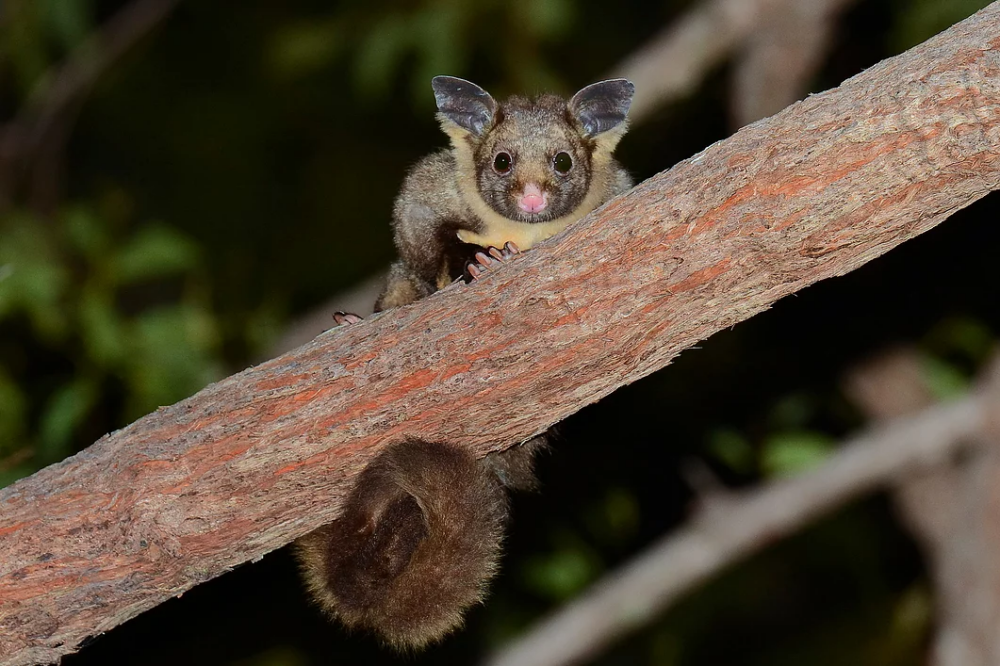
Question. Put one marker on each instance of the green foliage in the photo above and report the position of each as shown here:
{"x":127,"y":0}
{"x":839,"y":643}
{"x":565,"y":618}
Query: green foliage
{"x":423,"y":39}
{"x":64,"y":411}
{"x":13,"y":414}
{"x":964,"y":338}
{"x":68,"y":20}
{"x":67,"y":292}
{"x":919,"y":20}
{"x":795,"y":410}
{"x":614,"y":520}
{"x":945,"y":380}
{"x":732,"y":449}
{"x":792,"y":445}
{"x":565,"y":570}
{"x":955,"y":348}
{"x":791,"y":452}
{"x":36,"y":33}
{"x":300,"y":48}
{"x":34,"y":279}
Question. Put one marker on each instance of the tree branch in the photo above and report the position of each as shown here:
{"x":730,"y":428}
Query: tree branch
{"x":258,"y":459}
{"x":952,"y":509}
{"x":736,"y":527}
{"x":780,"y":57}
{"x":36,"y":136}
{"x":676,"y":60}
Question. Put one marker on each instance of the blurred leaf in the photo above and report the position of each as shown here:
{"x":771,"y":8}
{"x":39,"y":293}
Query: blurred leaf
{"x":265,"y":325}
{"x":665,"y":648}
{"x":919,"y":20}
{"x":12,"y":474}
{"x":13,"y":415}
{"x":62,"y":416}
{"x":23,"y":42}
{"x":40,"y":288}
{"x":545,"y":18}
{"x":564,"y":572}
{"x":788,"y":453}
{"x":792,"y":411}
{"x":302,"y":48}
{"x":441,"y":43}
{"x":33,"y":280}
{"x":944,"y":380}
{"x":966,"y":336}
{"x":380,"y":53}
{"x":912,"y":616}
{"x":101,"y":327}
{"x":732,"y":449}
{"x":68,"y":20}
{"x":86,"y":234}
{"x":58,"y":275}
{"x":155,"y":251}
{"x":171,"y":356}
{"x":615,"y":519}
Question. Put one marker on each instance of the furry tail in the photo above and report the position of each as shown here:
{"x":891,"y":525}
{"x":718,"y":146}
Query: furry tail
{"x":416,"y":546}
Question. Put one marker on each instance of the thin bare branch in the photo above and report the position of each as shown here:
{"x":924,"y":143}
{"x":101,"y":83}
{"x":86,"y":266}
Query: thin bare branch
{"x":778,"y":59}
{"x":675,"y":61}
{"x":739,"y":526}
{"x":37,"y":135}
{"x":952,"y":509}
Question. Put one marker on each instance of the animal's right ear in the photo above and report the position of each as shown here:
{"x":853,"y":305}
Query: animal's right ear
{"x":464,"y":104}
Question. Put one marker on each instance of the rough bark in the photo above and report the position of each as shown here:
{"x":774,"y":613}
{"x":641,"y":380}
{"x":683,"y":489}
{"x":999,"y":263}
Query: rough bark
{"x":269,"y":454}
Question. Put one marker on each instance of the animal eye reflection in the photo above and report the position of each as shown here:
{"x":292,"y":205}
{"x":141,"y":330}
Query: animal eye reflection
{"x":502,"y":162}
{"x":562,"y":163}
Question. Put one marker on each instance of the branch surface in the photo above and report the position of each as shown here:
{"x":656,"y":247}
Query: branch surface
{"x":258,"y":459}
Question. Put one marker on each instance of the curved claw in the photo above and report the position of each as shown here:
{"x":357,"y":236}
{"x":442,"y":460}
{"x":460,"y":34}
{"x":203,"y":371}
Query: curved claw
{"x":345,"y":318}
{"x":490,"y":258}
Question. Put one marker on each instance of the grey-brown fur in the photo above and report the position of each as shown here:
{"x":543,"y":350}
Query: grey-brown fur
{"x":417,"y":544}
{"x":421,"y":532}
{"x":419,"y":539}
{"x":434,"y":203}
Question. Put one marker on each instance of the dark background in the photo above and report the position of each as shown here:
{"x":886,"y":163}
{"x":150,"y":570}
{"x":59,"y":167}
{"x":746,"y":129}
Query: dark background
{"x":236,"y":168}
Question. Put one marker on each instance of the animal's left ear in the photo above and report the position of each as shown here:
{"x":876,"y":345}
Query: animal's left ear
{"x":602,"y":106}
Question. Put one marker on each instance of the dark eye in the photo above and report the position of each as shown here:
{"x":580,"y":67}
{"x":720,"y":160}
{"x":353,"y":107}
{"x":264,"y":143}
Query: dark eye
{"x":562,"y":163}
{"x":502,"y":162}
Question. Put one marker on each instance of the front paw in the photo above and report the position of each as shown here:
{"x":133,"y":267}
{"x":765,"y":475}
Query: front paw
{"x":345,"y":318}
{"x":489,"y":259}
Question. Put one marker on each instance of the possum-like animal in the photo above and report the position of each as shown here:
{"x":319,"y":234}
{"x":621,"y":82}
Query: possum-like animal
{"x":421,"y":531}
{"x":517,"y":172}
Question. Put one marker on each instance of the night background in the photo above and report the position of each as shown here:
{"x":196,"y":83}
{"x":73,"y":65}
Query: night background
{"x":233,"y":169}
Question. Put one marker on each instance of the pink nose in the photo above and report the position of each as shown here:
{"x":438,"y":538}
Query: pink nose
{"x":532,"y":199}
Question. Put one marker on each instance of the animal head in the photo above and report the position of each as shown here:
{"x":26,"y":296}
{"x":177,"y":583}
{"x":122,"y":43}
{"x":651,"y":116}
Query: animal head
{"x":532,"y":160}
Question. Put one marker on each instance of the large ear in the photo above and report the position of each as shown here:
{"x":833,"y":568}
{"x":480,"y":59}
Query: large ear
{"x":464,"y":103}
{"x":602,"y":106}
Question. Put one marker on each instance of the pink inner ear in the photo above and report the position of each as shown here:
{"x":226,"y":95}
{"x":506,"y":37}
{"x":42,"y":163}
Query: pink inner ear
{"x":532,"y":199}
